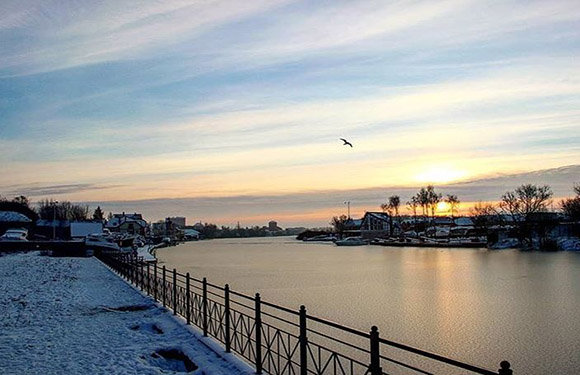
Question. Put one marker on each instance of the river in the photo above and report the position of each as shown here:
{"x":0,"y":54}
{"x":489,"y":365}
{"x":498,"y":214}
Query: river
{"x":474,"y":305}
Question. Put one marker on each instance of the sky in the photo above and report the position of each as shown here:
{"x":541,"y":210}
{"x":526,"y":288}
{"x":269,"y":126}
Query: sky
{"x":229,"y":111}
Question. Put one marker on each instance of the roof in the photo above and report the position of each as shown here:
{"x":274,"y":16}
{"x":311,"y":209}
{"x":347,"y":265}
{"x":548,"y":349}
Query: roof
{"x":120,"y":219}
{"x":463,"y":221}
{"x":13,"y":217}
{"x":383,"y":216}
{"x":52,"y":223}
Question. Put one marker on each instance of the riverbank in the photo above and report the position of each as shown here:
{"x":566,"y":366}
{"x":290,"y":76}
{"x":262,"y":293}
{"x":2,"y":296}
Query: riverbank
{"x":74,"y":316}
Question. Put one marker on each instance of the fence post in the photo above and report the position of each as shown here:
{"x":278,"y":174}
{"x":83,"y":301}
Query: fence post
{"x":375,"y":366}
{"x":164,"y":288}
{"x":303,"y":342}
{"x":505,"y":368}
{"x":174,"y":291}
{"x":187,"y":299}
{"x":258,"y":332}
{"x":227,"y":317}
{"x":155,"y":281}
{"x":204,"y":306}
{"x":148,"y":280}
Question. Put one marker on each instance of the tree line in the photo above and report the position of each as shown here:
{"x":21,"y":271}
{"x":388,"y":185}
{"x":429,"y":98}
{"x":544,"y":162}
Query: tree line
{"x":518,"y":205}
{"x":49,"y":209}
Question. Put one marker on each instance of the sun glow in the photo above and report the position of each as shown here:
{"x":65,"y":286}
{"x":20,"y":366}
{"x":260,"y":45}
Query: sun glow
{"x":442,"y":207}
{"x":440,"y":174}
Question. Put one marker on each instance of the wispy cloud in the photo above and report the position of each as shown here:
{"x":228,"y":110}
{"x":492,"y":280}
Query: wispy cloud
{"x":221,"y":98}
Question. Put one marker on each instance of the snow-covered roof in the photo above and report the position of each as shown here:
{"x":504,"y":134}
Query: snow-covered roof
{"x":120,"y":219}
{"x":52,"y":223}
{"x":13,"y":217}
{"x":378,"y":215}
{"x":463,"y":221}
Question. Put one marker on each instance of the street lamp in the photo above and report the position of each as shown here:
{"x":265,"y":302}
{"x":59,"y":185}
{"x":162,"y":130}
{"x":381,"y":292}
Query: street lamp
{"x":54,"y":203}
{"x":348,"y":207}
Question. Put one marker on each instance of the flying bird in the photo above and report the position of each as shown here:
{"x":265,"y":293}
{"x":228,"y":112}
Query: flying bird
{"x":346,"y":142}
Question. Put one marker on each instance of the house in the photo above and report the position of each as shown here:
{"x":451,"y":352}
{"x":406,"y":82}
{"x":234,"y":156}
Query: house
{"x":13,"y":220}
{"x":127,"y":223}
{"x":376,"y":225}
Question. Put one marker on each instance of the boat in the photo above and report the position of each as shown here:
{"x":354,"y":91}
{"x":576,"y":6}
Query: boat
{"x":351,"y":241}
{"x":323,"y":237}
{"x":101,"y":241}
{"x":15,"y":235}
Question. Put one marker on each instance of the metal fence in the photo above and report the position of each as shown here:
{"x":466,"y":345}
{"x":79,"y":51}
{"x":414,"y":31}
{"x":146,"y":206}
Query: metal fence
{"x":278,"y":340}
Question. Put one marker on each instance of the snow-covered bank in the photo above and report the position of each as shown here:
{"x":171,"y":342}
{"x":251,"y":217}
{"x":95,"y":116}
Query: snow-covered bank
{"x":74,"y":316}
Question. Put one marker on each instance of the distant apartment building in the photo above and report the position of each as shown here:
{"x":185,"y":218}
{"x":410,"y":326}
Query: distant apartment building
{"x":273,"y":226}
{"x":178,"y":220}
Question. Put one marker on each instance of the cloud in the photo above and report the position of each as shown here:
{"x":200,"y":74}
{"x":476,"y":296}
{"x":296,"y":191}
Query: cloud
{"x":315,"y":208}
{"x":52,"y":190}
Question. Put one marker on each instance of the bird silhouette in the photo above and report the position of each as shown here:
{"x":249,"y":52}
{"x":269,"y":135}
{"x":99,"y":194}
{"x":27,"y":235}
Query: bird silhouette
{"x":346,"y":142}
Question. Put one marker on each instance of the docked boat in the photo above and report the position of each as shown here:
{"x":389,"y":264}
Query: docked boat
{"x":101,"y":241}
{"x":351,"y":241}
{"x":15,"y":235}
{"x":323,"y":238}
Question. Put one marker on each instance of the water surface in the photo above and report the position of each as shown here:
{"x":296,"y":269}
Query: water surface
{"x":474,"y":305}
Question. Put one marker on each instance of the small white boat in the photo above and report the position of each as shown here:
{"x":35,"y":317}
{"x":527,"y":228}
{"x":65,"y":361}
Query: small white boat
{"x":100,"y":241}
{"x":351,"y":241}
{"x":15,"y":235}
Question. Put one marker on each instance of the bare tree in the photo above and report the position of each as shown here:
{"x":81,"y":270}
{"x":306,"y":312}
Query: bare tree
{"x":483,"y":214}
{"x":571,"y":206}
{"x":412,"y":205}
{"x":395,"y":203}
{"x":339,"y":224}
{"x":433,"y":199}
{"x":453,"y":203}
{"x":526,"y":199}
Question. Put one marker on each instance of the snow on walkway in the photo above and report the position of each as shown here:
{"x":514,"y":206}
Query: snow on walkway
{"x":74,"y":316}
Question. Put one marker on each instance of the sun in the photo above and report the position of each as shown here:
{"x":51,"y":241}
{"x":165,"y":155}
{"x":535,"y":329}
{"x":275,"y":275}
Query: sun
{"x":440,"y":174}
{"x":442,"y":207}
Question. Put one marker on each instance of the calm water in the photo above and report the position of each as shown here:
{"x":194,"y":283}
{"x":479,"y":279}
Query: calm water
{"x":477,"y":306}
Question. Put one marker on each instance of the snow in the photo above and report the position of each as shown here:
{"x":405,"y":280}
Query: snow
{"x":75,"y":316}
{"x":13,"y":217}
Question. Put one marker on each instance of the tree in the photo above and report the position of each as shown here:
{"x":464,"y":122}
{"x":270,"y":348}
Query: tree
{"x":392,"y":206}
{"x":526,"y":199}
{"x":395,"y":203}
{"x":523,"y":201}
{"x":412,"y":205}
{"x":98,"y":215}
{"x":422,"y":198}
{"x":50,"y":209}
{"x":339,"y":224}
{"x":571,"y":206}
{"x":433,"y":199}
{"x":19,"y":204}
{"x":453,"y":203}
{"x":483,"y":214}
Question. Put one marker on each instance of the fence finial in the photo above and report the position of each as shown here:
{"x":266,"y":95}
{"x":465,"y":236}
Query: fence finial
{"x":505,"y":368}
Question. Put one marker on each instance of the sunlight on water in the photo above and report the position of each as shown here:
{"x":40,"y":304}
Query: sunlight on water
{"x":477,"y":306}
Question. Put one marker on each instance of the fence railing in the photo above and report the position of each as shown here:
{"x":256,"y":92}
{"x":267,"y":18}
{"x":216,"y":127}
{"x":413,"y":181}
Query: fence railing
{"x":278,"y":340}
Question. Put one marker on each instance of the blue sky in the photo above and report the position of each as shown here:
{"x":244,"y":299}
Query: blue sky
{"x":141,"y":100}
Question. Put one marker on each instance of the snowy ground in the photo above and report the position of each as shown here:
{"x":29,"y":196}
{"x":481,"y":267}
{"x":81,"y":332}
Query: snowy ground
{"x":74,"y":316}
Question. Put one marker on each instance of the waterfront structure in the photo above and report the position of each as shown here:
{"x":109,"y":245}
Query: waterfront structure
{"x":127,"y":223}
{"x":376,"y":225}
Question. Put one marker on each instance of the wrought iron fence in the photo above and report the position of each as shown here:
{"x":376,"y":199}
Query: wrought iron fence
{"x":278,"y":340}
